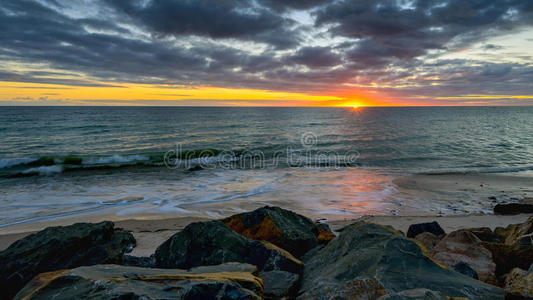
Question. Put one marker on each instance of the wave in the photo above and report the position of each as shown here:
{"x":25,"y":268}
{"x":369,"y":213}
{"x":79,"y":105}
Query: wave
{"x":47,"y":165}
{"x":213,"y":158}
{"x":43,"y":170}
{"x":116,"y":159}
{"x":11,"y":162}
{"x":479,"y":171}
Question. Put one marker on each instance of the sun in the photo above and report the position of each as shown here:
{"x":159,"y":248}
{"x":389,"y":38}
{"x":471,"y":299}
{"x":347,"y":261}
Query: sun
{"x":354,"y":106}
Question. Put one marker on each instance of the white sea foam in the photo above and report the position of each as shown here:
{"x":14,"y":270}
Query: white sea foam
{"x":116,"y":159}
{"x":11,"y":162}
{"x":44,"y":170}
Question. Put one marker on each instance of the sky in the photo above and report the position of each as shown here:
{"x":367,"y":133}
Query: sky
{"x":266,"y":52}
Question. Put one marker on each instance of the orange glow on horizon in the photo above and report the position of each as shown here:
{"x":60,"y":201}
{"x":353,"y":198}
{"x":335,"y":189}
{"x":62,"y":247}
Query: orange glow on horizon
{"x":22,"y":93}
{"x":128,"y":94}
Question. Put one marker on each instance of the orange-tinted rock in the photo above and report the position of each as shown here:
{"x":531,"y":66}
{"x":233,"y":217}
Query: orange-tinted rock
{"x":324,"y":234}
{"x":265,"y":230}
{"x":464,"y":246}
{"x":288,"y":230}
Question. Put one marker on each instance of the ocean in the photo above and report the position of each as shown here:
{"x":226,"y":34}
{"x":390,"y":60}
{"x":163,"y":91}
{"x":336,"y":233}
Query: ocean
{"x":213,"y":161}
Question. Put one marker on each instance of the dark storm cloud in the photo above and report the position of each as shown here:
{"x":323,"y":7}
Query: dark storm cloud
{"x":28,"y":78}
{"x":292,"y":4}
{"x":217,"y":19}
{"x":259,"y":44}
{"x":386,"y":30}
{"x":315,"y":57}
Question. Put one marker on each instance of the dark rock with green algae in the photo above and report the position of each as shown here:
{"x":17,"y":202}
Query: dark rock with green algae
{"x":61,"y":247}
{"x":366,"y":253}
{"x":212,"y":243}
{"x":283,"y":228}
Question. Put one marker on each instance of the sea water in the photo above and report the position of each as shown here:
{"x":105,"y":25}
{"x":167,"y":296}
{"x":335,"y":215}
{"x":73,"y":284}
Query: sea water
{"x":213,"y":161}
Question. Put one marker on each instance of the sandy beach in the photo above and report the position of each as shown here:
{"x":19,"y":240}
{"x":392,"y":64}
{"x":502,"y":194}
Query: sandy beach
{"x":151,"y":233}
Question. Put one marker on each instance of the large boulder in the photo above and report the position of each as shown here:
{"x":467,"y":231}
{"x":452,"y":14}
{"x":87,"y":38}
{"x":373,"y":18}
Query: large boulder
{"x":371,"y":253}
{"x":229,"y":281}
{"x":519,"y":284}
{"x":213,"y":243}
{"x":283,"y":228}
{"x":508,"y":257}
{"x":515,"y":250}
{"x":432,"y":227}
{"x":513,"y":208}
{"x":62,"y":247}
{"x":464,"y":246}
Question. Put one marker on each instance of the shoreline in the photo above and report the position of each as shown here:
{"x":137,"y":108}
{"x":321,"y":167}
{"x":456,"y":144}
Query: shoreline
{"x":346,"y":195}
{"x":151,"y":233}
{"x":426,"y":193}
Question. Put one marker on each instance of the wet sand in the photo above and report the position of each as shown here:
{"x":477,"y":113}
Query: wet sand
{"x":428,"y":193}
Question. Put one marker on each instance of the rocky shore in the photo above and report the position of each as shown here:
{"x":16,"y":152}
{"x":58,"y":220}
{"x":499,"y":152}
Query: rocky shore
{"x":272,"y":253}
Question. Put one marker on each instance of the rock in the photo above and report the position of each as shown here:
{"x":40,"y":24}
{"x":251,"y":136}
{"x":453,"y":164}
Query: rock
{"x":526,"y":201}
{"x":519,"y":284}
{"x":62,"y":247}
{"x":286,"y":229}
{"x":466,"y":269}
{"x":311,"y":253}
{"x":415,"y":294}
{"x":417,"y":229}
{"x":136,"y":261}
{"x":279,"y":284}
{"x":325,"y":235}
{"x":520,"y":234}
{"x":124,"y":282}
{"x":428,"y":240}
{"x":502,"y":233}
{"x":375,"y":253}
{"x":485,"y":234}
{"x":513,"y":208}
{"x":195,"y":168}
{"x":464,"y":246}
{"x":213,"y":243}
{"x":508,"y":257}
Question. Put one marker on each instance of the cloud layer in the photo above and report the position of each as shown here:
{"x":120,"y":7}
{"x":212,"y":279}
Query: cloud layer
{"x":406,"y":50}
